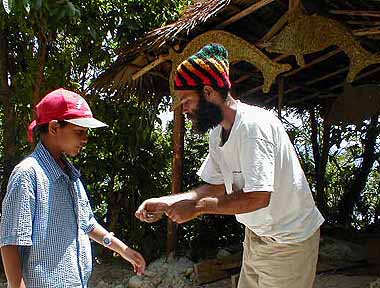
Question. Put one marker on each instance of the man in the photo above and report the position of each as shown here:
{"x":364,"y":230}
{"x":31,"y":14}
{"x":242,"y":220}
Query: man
{"x":251,"y":171}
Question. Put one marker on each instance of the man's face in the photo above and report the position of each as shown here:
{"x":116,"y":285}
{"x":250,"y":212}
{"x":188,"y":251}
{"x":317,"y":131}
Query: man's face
{"x":203,"y":114}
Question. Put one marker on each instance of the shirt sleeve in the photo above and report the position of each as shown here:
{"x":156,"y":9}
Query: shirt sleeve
{"x":257,"y":161}
{"x":87,"y":218}
{"x":18,"y":209}
{"x":210,"y":171}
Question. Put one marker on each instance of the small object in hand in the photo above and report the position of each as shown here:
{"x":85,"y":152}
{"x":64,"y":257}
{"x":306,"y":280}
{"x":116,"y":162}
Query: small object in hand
{"x":153,"y":214}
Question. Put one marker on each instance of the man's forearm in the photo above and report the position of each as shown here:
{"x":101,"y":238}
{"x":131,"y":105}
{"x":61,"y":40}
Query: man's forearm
{"x":200,"y":192}
{"x":235,"y":203}
{"x":12,"y":266}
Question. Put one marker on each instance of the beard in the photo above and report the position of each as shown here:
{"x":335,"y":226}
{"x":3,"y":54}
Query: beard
{"x":207,"y":116}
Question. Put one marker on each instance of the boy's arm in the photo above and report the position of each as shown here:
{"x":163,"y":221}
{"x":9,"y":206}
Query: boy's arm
{"x":12,"y":266}
{"x":129,"y":254}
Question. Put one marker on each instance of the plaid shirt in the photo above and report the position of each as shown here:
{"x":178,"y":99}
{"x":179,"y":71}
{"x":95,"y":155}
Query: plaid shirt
{"x":47,"y":214}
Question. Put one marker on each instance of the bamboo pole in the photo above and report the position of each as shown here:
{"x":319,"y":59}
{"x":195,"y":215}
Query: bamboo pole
{"x":150,"y":66}
{"x":244,"y":13}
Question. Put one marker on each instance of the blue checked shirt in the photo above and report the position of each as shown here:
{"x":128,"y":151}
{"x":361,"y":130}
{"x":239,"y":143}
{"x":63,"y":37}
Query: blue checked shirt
{"x":47,"y":214}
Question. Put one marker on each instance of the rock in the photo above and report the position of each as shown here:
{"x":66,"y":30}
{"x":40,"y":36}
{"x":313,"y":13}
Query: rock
{"x":222,"y":253}
{"x":375,"y":284}
{"x":164,"y":273}
{"x":341,"y":250}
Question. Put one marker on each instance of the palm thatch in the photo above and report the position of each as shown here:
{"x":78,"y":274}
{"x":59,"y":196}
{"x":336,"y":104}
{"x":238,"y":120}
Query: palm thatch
{"x":318,"y":82}
{"x":192,"y":17}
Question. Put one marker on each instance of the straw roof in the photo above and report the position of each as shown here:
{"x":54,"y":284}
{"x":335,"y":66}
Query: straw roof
{"x":144,"y":68}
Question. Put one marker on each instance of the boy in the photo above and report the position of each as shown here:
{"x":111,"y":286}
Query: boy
{"x":46,"y":218}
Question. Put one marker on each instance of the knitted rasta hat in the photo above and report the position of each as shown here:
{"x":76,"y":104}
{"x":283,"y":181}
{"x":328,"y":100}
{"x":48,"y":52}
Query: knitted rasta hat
{"x":209,"y":66}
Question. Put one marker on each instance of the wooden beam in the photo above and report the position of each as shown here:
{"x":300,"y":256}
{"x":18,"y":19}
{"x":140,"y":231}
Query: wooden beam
{"x":215,"y":269}
{"x":309,"y":97}
{"x":244,"y":13}
{"x":177,"y":173}
{"x":312,"y":63}
{"x":281,"y":84}
{"x":366,"y":23}
{"x":316,"y":80}
{"x":367,"y":31}
{"x":362,"y":13}
{"x":150,"y":66}
{"x":275,"y":29}
{"x":294,"y":4}
{"x":311,"y":82}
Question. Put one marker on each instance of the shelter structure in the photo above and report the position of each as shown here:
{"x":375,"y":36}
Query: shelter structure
{"x":283,"y":53}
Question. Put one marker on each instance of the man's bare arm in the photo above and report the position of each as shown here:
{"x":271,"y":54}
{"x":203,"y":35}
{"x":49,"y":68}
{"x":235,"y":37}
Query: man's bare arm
{"x":151,"y":210}
{"x":235,"y":203}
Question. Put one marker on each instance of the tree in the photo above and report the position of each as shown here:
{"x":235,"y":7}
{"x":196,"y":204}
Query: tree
{"x":50,"y":44}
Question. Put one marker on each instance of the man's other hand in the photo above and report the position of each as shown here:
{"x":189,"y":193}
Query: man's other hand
{"x":151,"y":210}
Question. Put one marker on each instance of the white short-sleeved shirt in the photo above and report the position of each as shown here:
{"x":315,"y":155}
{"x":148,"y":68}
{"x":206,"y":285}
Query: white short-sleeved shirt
{"x":259,"y":156}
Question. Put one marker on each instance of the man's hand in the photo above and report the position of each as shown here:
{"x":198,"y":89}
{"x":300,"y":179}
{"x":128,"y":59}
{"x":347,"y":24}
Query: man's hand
{"x":151,"y":210}
{"x":183,"y":211}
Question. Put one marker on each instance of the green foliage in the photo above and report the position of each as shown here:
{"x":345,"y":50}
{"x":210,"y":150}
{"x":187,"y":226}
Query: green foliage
{"x":345,"y":159}
{"x":123,"y":165}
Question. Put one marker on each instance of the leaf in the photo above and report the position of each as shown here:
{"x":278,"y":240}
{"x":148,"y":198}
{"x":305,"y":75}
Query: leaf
{"x":27,"y":6}
{"x":38,"y":4}
{"x":7,"y":5}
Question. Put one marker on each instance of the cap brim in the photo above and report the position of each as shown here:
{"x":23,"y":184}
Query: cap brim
{"x":87,"y":122}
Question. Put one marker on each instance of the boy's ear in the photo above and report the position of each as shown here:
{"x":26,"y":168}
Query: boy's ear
{"x":53,"y":126}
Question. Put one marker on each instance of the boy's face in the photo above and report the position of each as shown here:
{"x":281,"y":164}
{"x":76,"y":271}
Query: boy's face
{"x":71,"y":139}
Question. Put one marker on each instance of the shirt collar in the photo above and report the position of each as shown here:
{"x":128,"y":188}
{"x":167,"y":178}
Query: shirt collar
{"x":235,"y":125}
{"x":55,"y":171}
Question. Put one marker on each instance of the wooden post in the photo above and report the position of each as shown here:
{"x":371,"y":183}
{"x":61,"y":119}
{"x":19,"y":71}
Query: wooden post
{"x":281,"y":82}
{"x":178,"y":141}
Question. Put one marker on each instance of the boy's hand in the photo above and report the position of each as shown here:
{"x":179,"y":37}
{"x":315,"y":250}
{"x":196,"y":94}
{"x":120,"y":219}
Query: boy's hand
{"x":136,"y":259}
{"x":151,"y":210}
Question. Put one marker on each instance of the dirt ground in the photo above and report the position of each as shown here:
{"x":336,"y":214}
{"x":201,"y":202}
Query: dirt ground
{"x":117,"y":276}
{"x":111,"y":275}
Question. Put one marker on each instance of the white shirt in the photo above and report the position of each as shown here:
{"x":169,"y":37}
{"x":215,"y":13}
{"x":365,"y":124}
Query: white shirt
{"x":258,"y":156}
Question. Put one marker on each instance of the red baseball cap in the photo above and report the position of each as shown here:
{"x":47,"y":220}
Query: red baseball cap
{"x":64,"y":105}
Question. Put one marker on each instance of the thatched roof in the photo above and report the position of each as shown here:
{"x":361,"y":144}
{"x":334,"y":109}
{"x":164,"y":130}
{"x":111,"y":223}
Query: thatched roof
{"x":316,"y":82}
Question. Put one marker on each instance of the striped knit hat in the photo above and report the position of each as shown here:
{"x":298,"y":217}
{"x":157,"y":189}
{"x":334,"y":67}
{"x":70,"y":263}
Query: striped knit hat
{"x":209,"y":66}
